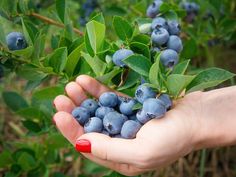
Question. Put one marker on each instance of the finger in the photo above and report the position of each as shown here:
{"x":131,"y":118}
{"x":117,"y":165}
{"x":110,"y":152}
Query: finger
{"x":112,"y":149}
{"x":63,"y":103}
{"x":68,"y":126}
{"x":75,"y":92}
{"x":92,"y":86}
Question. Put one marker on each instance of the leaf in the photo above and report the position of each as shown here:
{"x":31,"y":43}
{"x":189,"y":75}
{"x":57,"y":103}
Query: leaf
{"x":123,"y":28}
{"x":48,"y":93}
{"x":209,"y":78}
{"x":176,"y":83}
{"x":26,"y":33}
{"x":99,"y":18}
{"x":5,"y":158}
{"x":32,"y":126}
{"x":31,"y":113}
{"x":14,"y":101}
{"x":96,"y":35}
{"x":88,"y":45}
{"x":140,"y":48}
{"x":26,"y":53}
{"x":61,"y":8}
{"x":131,"y":80}
{"x":154,"y":72}
{"x":142,"y":38}
{"x":106,"y":78}
{"x":190,"y":49}
{"x":137,"y":106}
{"x":97,"y":65}
{"x":30,"y":72}
{"x":181,"y":68}
{"x":58,"y":59}
{"x":26,"y":161}
{"x":73,"y":59}
{"x":2,"y":36}
{"x":139,"y":64}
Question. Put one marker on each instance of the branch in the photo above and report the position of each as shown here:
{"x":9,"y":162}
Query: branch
{"x":52,"y":22}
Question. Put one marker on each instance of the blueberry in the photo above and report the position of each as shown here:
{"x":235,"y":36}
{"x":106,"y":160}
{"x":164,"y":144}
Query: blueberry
{"x":102,"y":111}
{"x":159,"y":22}
{"x":155,"y":108}
{"x":130,"y":129}
{"x":132,"y":117}
{"x":120,"y":55}
{"x":108,"y":99}
{"x":16,"y":41}
{"x":143,"y":117}
{"x":160,"y":36}
{"x":169,"y":58}
{"x":174,"y":27}
{"x":156,"y":49}
{"x":81,"y":114}
{"x":145,"y":28}
{"x":113,"y":122}
{"x":154,"y":9}
{"x":144,"y":92}
{"x":94,"y":124}
{"x":126,"y":107}
{"x":167,"y":100}
{"x":195,"y":8}
{"x":175,"y":43}
{"x":91,"y":105}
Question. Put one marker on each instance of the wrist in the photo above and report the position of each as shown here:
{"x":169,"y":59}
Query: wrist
{"x":217,"y":120}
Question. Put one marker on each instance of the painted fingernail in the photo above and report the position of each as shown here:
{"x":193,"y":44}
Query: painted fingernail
{"x":83,"y":145}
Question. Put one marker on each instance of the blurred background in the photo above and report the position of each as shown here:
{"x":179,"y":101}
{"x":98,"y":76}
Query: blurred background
{"x":29,"y":143}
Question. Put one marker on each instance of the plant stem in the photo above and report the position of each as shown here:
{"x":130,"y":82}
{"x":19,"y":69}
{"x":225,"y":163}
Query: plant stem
{"x":202,"y":163}
{"x":52,"y":22}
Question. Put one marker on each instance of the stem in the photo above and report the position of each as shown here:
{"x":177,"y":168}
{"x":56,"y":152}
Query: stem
{"x":202,"y":163}
{"x":124,"y":76}
{"x":52,"y":22}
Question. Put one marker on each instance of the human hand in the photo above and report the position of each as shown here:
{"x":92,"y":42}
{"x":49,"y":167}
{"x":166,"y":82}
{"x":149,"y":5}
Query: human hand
{"x":157,"y":144}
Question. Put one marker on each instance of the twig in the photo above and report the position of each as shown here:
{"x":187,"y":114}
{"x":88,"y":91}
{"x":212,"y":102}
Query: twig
{"x":52,"y":22}
{"x":124,"y":76}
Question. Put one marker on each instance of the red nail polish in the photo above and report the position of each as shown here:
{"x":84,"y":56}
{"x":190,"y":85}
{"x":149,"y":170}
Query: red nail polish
{"x":83,"y":145}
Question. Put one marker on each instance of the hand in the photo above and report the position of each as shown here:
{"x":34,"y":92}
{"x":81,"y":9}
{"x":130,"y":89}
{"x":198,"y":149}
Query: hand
{"x":158,"y":143}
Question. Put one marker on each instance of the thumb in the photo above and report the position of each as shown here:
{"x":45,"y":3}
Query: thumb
{"x":107,"y":148}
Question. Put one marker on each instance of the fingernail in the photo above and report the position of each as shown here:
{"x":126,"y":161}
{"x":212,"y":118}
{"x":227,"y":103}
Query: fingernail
{"x":83,"y":145}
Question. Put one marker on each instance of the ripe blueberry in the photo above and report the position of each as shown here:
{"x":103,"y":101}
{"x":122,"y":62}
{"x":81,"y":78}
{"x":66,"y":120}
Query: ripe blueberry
{"x":16,"y":41}
{"x":94,"y":124}
{"x":155,"y":108}
{"x":167,"y":100}
{"x":91,"y":105}
{"x":126,"y":107}
{"x":174,"y":27}
{"x":130,"y":129}
{"x":159,"y":22}
{"x":120,"y":55}
{"x":160,"y":36}
{"x":108,"y":99}
{"x":143,"y":117}
{"x":154,"y":9}
{"x":102,"y":111}
{"x":175,"y":43}
{"x":169,"y":58}
{"x":144,"y":92}
{"x":113,"y":122}
{"x":81,"y":114}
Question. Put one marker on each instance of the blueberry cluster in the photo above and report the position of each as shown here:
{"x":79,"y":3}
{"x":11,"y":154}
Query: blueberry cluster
{"x":192,"y":10}
{"x":16,"y":41}
{"x":115,"y":115}
{"x":86,"y":10}
{"x":165,"y":36}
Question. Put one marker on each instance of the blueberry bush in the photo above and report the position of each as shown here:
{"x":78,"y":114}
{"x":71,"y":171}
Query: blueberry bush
{"x":152,"y":51}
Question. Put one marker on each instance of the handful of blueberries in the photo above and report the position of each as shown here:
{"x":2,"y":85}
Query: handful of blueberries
{"x":116,"y":116}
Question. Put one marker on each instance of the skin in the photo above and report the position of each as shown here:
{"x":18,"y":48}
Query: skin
{"x":199,"y":120}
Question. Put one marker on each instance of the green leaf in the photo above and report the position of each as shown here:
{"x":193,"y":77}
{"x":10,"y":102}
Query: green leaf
{"x":97,"y":65}
{"x":39,"y":46}
{"x":5,"y":158}
{"x":48,"y":93}
{"x":30,"y":72}
{"x":26,"y":53}
{"x":176,"y":83}
{"x":96,"y":35}
{"x":32,"y":31}
{"x":31,"y":113}
{"x":190,"y":49}
{"x":14,"y":101}
{"x":23,"y":6}
{"x":99,"y":18}
{"x":123,"y":28}
{"x":137,"y":106}
{"x":26,"y":161}
{"x":140,"y":48}
{"x":181,"y":67}
{"x":58,"y":59}
{"x":88,"y":45}
{"x":26,"y":33}
{"x":61,"y":8}
{"x":132,"y":79}
{"x":73,"y":59}
{"x":209,"y":78}
{"x":139,"y":64}
{"x":154,"y":72}
{"x":106,"y":78}
{"x":32,"y":126}
{"x":2,"y":36}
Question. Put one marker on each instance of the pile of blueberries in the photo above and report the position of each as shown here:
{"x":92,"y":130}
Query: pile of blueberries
{"x":165,"y":36}
{"x":192,"y":10}
{"x":117,"y":117}
{"x":16,"y":41}
{"x":86,"y":10}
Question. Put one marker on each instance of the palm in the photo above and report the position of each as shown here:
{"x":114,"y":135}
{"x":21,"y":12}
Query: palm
{"x":155,"y":140}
